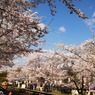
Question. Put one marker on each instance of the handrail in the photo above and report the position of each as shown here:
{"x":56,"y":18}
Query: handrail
{"x":34,"y":92}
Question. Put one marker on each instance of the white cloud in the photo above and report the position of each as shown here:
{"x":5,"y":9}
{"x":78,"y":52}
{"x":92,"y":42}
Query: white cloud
{"x":19,"y":61}
{"x":93,"y":14}
{"x":90,"y":22}
{"x":62,"y":29}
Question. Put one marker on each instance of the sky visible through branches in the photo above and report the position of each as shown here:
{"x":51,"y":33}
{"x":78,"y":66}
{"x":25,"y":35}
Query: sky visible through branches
{"x":65,"y":27}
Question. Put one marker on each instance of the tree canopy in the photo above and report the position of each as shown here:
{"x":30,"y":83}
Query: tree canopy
{"x":72,"y":62}
{"x":19,"y":30}
{"x":68,"y":3}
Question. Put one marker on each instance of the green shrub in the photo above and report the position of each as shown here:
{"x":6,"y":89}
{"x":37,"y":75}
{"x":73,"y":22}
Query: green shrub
{"x":3,"y":76}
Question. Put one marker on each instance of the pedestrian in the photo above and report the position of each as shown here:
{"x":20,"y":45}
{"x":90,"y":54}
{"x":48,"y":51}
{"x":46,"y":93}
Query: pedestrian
{"x":4,"y":90}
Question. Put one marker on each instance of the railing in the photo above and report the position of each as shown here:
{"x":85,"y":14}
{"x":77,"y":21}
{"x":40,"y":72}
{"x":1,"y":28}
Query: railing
{"x":19,"y":91}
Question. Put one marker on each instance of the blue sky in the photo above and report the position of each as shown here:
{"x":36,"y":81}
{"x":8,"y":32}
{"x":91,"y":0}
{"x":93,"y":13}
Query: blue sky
{"x":65,"y":27}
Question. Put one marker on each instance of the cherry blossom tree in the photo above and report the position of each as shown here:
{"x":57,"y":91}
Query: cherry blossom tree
{"x":20,"y":30}
{"x":40,"y":65}
{"x":68,"y":3}
{"x":83,"y":65}
{"x":78,"y":58}
{"x":72,"y":62}
{"x":46,"y":65}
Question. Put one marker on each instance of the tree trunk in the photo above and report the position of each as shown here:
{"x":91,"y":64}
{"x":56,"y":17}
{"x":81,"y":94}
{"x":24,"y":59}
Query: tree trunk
{"x":76,"y":85}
